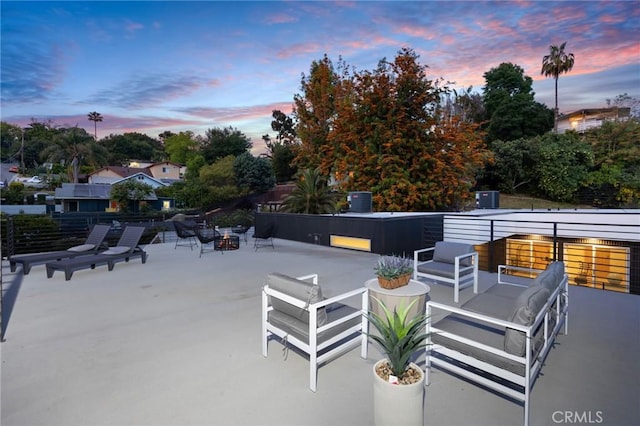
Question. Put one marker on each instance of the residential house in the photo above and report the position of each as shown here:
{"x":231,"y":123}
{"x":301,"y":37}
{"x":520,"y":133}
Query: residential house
{"x":166,"y":171}
{"x":111,"y":174}
{"x":585,"y":119}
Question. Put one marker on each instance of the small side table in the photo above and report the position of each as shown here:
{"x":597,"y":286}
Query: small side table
{"x":400,"y":296}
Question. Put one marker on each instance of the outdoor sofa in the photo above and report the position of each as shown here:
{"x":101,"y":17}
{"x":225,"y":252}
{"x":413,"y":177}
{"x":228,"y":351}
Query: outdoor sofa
{"x":501,"y":338}
{"x":93,"y":244}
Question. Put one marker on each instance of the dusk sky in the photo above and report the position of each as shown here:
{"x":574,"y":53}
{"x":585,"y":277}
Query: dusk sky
{"x":153,"y":66}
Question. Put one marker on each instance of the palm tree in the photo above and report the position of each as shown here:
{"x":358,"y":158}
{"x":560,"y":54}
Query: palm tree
{"x":555,"y":63}
{"x":95,"y":117}
{"x":311,"y":195}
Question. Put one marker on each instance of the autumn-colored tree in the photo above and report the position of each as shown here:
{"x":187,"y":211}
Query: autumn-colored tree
{"x":385,"y":136}
{"x":314,"y":111}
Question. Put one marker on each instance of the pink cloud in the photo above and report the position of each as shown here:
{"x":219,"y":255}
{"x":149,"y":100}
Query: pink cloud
{"x":280,"y":18}
{"x":132,"y":27}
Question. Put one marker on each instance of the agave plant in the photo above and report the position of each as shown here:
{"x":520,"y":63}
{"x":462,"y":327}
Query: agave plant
{"x":399,"y":337}
{"x":393,"y":266}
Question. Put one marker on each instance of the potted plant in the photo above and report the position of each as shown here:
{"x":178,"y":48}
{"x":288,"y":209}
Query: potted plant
{"x":393,"y":271}
{"x":398,"y":388}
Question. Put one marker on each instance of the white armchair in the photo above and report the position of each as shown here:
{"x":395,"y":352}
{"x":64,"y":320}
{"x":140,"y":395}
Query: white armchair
{"x":452,"y":263}
{"x":294,"y":310}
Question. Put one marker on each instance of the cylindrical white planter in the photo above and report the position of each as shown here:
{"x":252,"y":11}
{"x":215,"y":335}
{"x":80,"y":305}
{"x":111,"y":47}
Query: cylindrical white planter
{"x":401,"y":296}
{"x":397,"y":405}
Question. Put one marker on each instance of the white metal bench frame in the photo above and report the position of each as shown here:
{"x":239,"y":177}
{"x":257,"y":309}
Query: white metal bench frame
{"x":558,"y":301}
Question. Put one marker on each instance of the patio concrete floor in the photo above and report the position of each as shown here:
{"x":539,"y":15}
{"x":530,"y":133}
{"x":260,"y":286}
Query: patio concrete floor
{"x":177,"y":342}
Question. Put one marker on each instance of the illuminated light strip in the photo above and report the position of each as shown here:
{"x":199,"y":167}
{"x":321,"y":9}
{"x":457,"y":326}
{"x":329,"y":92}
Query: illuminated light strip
{"x":350,"y":242}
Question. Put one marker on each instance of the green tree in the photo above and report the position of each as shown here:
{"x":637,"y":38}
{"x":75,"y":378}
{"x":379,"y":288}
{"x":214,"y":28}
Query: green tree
{"x":220,"y":173}
{"x":311,"y":195}
{"x":130,"y":192}
{"x":181,"y":147}
{"x":253,"y":174}
{"x":512,"y":164}
{"x":511,"y":110}
{"x":95,"y":117}
{"x":555,"y":63}
{"x":615,"y":180}
{"x":37,"y":137}
{"x":132,"y":146}
{"x":219,"y":143}
{"x":281,"y":151}
{"x":194,"y":164}
{"x":562,"y":165}
{"x":10,"y":140}
{"x":13,"y":194}
{"x":218,"y":182}
{"x":282,"y":160}
{"x":75,"y":147}
{"x":284,"y":126}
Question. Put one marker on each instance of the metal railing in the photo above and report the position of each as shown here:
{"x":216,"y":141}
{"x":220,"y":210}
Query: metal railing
{"x":605,"y":256}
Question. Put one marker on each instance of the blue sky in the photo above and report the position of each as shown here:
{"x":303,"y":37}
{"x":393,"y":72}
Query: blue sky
{"x":152,"y":66}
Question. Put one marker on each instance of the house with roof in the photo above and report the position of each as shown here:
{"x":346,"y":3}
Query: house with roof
{"x":167,"y":171}
{"x":111,"y":174}
{"x":585,"y":119}
{"x":87,"y":197}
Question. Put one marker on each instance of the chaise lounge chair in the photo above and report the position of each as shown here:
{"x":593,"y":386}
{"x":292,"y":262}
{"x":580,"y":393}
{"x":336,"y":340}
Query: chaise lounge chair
{"x":126,"y":249}
{"x":92,"y":245}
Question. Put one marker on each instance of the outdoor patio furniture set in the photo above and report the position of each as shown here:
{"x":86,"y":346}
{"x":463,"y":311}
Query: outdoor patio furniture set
{"x":189,"y":233}
{"x":498,"y":339}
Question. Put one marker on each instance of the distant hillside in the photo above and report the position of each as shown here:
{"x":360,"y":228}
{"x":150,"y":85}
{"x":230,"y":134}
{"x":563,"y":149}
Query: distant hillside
{"x":526,"y":202}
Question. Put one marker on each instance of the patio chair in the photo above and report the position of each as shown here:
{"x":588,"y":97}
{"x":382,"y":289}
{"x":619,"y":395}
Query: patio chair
{"x":455,"y":264}
{"x":126,"y":249}
{"x":264,"y":237}
{"x":209,"y":240}
{"x":294,"y":310}
{"x":186,"y":232}
{"x":92,"y":244}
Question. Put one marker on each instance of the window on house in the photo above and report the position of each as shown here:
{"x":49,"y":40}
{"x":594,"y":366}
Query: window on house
{"x":530,"y":254}
{"x":165,"y":170}
{"x":598,"y":266}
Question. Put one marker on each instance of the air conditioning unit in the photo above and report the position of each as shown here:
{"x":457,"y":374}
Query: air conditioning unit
{"x":488,"y":199}
{"x":360,"y":202}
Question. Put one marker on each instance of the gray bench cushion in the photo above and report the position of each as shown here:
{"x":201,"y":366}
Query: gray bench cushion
{"x":477,"y":331}
{"x":446,"y":252}
{"x":301,"y":290}
{"x":491,"y":305}
{"x":527,"y":306}
{"x":506,"y":291}
{"x":446,"y":270}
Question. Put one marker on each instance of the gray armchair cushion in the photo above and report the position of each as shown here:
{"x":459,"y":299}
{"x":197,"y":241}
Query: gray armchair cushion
{"x":446,"y":270}
{"x":301,"y":290}
{"x":446,"y":252}
{"x":527,"y":307}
